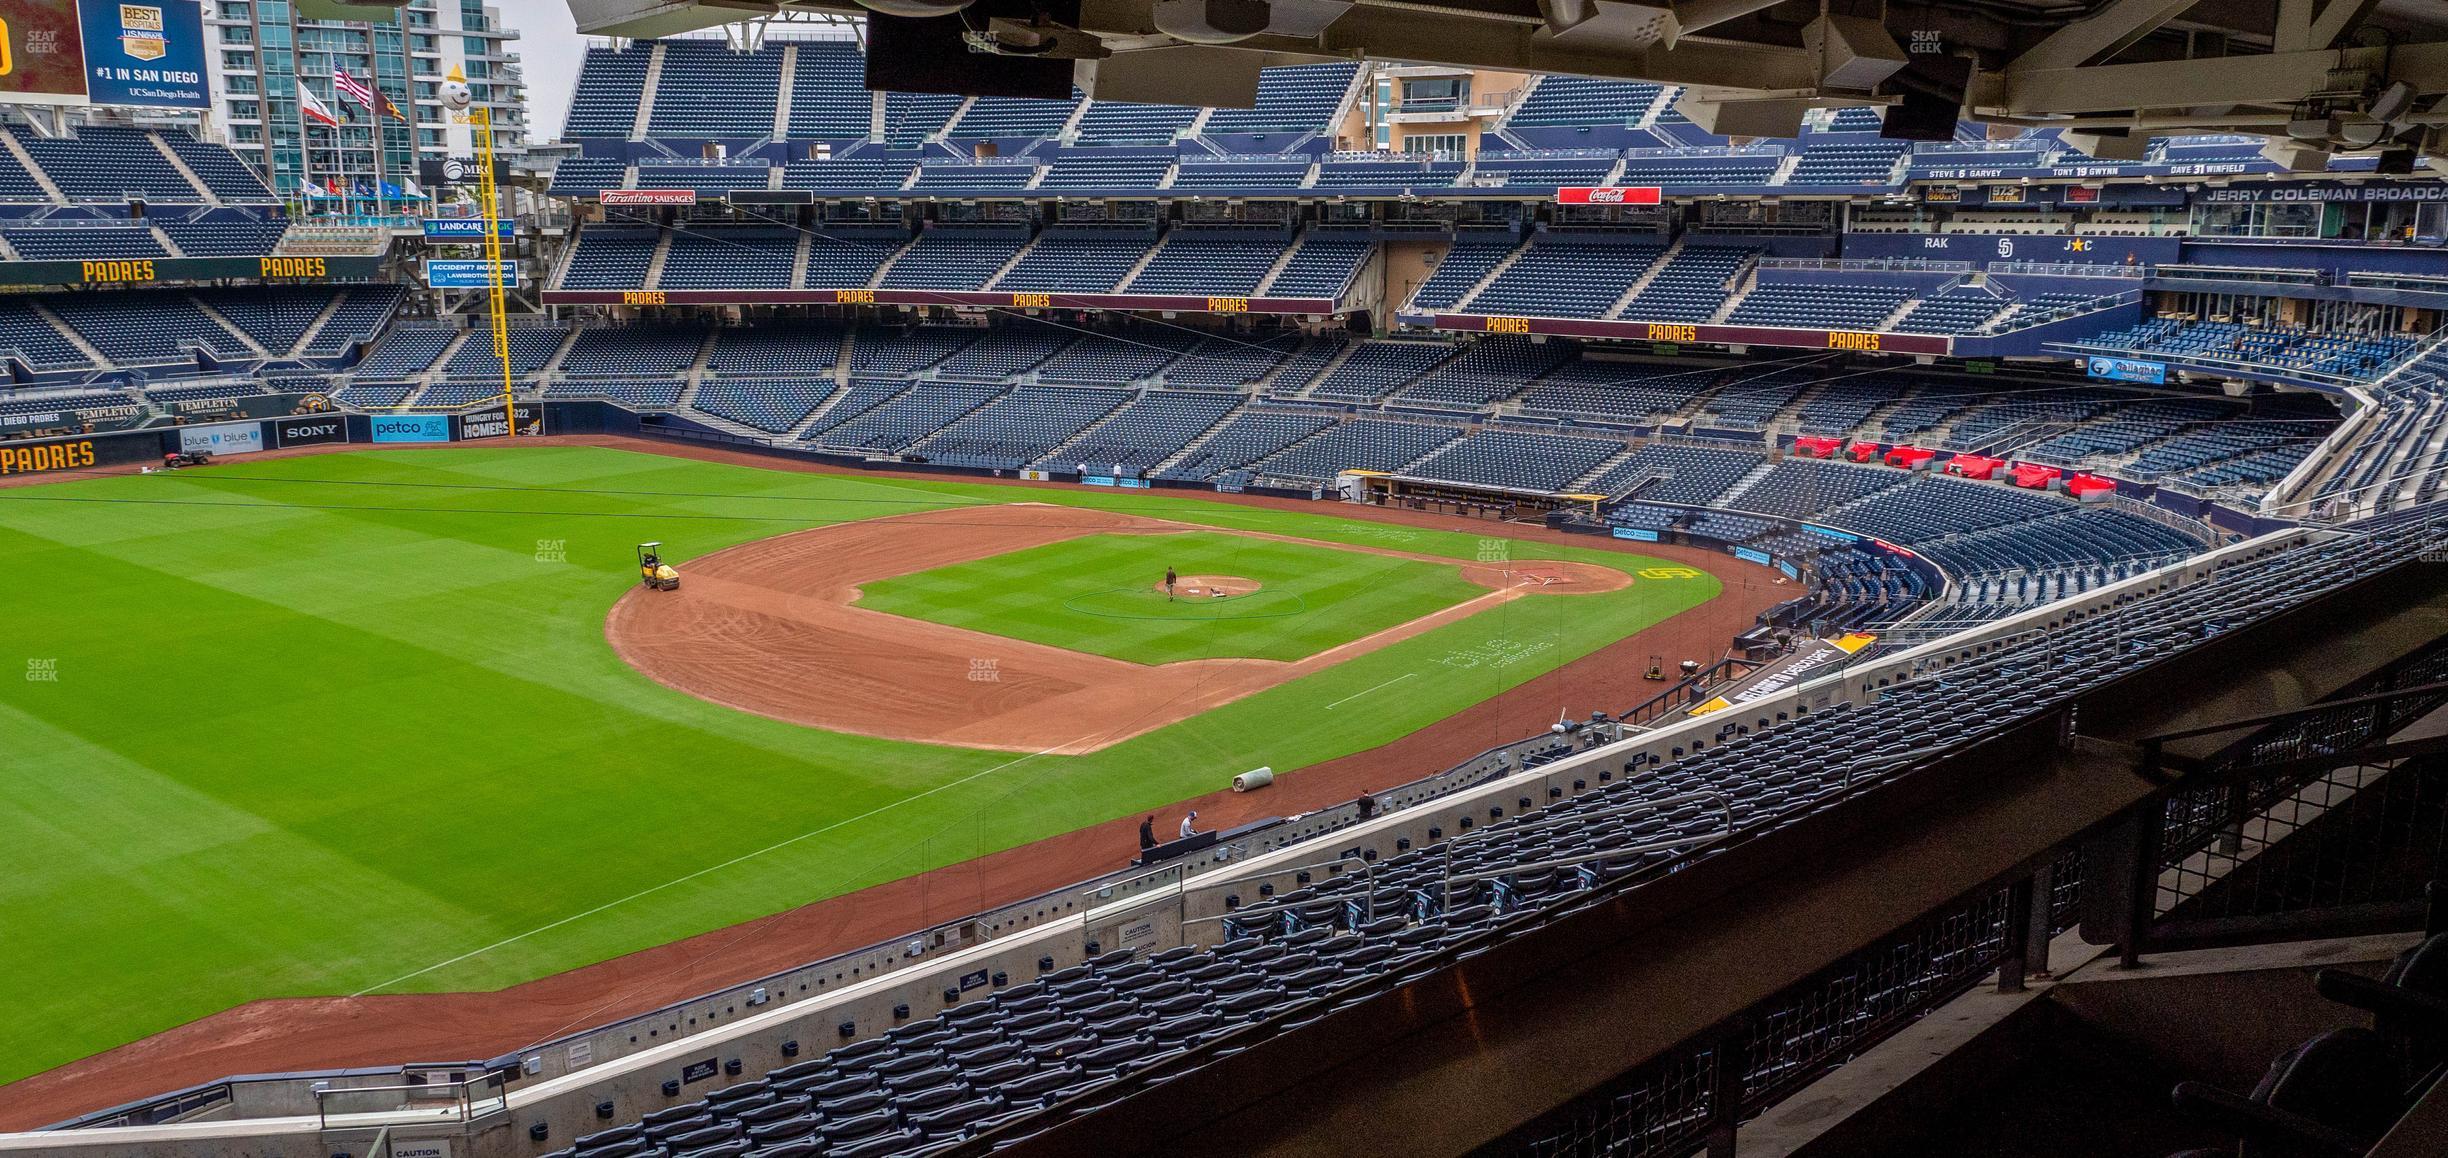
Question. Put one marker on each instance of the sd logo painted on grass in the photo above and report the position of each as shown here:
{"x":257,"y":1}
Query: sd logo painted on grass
{"x":1495,"y":653}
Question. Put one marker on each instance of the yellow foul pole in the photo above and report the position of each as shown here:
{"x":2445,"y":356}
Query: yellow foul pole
{"x":480,"y":121}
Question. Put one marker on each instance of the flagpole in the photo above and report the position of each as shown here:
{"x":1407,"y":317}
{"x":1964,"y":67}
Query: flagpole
{"x":373,"y":106}
{"x":305,"y":140}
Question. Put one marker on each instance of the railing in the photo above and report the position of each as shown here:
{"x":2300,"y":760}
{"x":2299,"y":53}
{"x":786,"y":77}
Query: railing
{"x":2020,"y":145}
{"x":2270,"y":274}
{"x":1763,"y":149}
{"x":2068,"y":269}
{"x":1691,"y":1095}
{"x":1867,"y":265}
{"x":2023,"y":320}
{"x":433,"y":1104}
{"x":2211,"y":865}
{"x":1545,"y":154}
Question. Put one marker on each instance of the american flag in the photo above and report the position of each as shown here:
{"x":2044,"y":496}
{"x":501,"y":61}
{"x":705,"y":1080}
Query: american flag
{"x":353,"y":87}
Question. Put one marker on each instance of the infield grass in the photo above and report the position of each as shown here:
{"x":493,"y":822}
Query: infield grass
{"x":349,"y":723}
{"x":1100,"y":594}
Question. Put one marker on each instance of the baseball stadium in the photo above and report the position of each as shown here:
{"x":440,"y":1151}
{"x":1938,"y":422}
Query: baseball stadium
{"x":1578,"y":579}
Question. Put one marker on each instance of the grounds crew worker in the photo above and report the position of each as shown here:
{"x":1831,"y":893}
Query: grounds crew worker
{"x":1170,"y":579}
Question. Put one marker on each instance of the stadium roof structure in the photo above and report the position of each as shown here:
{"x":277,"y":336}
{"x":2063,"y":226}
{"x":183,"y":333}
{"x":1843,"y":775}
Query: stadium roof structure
{"x":2333,"y":75}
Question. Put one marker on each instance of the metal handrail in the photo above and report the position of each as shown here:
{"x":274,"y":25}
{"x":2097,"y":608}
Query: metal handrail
{"x":1724,"y":802}
{"x":1368,"y":873}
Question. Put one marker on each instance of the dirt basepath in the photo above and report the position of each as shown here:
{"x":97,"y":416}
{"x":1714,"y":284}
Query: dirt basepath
{"x":769,"y":627}
{"x":329,"y":1032}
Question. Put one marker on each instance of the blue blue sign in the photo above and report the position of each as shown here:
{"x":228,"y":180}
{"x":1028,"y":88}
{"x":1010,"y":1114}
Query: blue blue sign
{"x":149,"y":53}
{"x":1636,"y":534}
{"x":1791,"y":572}
{"x":466,"y":274}
{"x":1748,"y":555}
{"x":412,"y":428}
{"x":465,"y":229}
{"x":2126,"y":369}
{"x":1137,"y":483}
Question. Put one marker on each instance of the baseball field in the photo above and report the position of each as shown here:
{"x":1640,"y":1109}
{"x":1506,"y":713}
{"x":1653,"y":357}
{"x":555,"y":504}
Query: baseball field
{"x":405,"y":722}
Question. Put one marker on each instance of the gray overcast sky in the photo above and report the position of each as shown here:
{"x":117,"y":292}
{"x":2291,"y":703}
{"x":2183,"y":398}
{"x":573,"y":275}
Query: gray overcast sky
{"x":549,"y":49}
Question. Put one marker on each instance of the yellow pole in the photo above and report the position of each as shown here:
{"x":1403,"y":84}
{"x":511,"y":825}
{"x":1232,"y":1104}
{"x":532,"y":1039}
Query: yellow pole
{"x":496,"y":297}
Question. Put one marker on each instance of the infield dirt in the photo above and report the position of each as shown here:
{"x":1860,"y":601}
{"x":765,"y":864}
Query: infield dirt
{"x":768,"y":627}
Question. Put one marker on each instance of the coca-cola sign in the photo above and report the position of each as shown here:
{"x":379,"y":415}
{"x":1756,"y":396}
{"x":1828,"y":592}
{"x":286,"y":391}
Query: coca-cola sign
{"x":1608,"y":195}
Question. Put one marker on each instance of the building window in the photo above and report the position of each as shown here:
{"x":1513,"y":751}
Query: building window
{"x":1434,"y":94}
{"x":1448,"y":146}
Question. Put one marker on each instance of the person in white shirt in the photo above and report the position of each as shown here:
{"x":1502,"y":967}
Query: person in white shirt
{"x":1189,"y":824}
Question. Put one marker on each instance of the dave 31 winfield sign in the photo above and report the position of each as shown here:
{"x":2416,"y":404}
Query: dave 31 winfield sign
{"x":1608,"y":195}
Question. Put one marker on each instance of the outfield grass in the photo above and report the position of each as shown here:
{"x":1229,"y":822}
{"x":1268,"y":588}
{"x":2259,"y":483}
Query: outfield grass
{"x":344,"y":723}
{"x":1098,"y":594}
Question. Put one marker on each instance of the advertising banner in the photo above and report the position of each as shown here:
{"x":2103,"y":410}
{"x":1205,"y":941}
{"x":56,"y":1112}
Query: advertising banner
{"x":649,"y":197}
{"x":2126,"y":369}
{"x":1636,"y":534}
{"x":151,"y":270}
{"x":436,"y":172}
{"x":38,"y":457}
{"x":412,"y":428}
{"x":493,"y":423}
{"x":1751,"y":555}
{"x":2326,"y":191}
{"x":1608,"y":195}
{"x":464,"y":229}
{"x":149,"y":54}
{"x":222,"y":438}
{"x":309,"y":430}
{"x":42,"y":53}
{"x":466,"y":273}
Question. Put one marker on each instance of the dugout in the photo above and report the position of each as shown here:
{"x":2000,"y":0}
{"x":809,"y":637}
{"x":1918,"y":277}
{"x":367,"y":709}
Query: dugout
{"x":1385,"y":489}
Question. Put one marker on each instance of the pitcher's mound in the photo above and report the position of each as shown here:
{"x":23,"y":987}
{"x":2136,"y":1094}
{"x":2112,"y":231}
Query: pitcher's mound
{"x":1210,"y":586}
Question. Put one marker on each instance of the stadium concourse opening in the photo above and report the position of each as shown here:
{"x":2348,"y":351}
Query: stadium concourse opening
{"x":771,"y":627}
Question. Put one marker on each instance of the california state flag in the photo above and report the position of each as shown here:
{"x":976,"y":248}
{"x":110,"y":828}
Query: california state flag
{"x":314,"y":108}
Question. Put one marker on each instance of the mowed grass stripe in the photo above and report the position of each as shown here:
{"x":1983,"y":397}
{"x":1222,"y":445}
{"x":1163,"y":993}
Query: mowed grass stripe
{"x":1099,"y":594}
{"x":296,"y":750}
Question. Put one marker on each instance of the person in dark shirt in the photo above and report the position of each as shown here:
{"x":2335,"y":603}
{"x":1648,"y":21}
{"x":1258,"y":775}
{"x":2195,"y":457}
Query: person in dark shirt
{"x":1147,"y":834}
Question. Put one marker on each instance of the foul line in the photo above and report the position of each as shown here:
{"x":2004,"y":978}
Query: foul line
{"x":1357,"y":695}
{"x":701,"y":872}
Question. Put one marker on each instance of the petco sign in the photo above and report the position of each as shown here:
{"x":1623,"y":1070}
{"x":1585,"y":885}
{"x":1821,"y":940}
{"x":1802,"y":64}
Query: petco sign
{"x":1608,"y":195}
{"x":649,"y":197}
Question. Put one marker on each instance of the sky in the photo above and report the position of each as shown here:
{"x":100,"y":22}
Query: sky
{"x":549,"y":49}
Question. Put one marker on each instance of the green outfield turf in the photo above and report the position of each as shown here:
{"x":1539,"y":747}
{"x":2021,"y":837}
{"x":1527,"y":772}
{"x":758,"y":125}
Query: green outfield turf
{"x":1099,"y":594}
{"x":349,"y":723}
